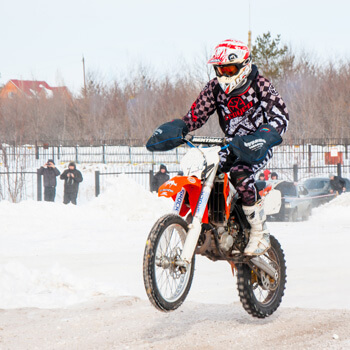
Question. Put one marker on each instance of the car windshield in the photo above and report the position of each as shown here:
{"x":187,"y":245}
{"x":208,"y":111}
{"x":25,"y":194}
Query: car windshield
{"x":287,"y":189}
{"x":315,"y":184}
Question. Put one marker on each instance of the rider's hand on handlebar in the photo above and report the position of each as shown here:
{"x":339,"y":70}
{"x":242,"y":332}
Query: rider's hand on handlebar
{"x":252,"y":149}
{"x":168,"y":136}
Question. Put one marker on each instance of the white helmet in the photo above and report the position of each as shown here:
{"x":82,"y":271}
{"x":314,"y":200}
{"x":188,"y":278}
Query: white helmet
{"x":232,"y":64}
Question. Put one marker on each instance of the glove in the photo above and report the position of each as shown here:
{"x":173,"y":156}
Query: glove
{"x":252,"y":149}
{"x":168,"y":136}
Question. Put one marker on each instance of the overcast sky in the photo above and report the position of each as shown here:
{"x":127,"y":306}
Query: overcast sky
{"x":45,"y":40}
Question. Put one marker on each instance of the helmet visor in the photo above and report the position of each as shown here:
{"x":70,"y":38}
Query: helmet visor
{"x":226,"y":70}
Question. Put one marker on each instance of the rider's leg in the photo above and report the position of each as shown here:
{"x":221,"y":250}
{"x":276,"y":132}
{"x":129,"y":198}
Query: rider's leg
{"x":242,"y":177}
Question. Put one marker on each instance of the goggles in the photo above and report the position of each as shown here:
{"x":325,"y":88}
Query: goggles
{"x":227,"y":70}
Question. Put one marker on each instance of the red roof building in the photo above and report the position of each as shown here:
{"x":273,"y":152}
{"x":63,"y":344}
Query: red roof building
{"x":31,"y":89}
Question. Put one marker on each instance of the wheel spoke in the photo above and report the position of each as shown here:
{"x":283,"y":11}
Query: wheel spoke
{"x":170,"y":282}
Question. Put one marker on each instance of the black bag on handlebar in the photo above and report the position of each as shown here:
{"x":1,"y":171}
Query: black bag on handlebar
{"x":252,"y":149}
{"x":167,"y":136}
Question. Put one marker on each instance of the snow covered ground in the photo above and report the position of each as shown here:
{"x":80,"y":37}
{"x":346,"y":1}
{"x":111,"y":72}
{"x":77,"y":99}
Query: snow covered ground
{"x":53,"y":256}
{"x":82,"y":267}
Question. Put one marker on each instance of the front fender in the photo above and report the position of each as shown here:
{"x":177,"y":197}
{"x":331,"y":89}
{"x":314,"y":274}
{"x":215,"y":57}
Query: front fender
{"x":193,"y":187}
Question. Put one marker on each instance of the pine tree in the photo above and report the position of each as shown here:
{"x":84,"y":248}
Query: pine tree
{"x":273,"y":59}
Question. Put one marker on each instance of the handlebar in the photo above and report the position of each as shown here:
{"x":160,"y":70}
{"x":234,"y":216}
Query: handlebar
{"x":205,"y":140}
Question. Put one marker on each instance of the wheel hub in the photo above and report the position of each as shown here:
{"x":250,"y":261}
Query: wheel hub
{"x":171,"y":262}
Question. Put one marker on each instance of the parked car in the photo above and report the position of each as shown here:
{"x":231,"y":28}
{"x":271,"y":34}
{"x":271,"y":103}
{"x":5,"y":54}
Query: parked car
{"x":319,"y":189}
{"x":295,"y":203}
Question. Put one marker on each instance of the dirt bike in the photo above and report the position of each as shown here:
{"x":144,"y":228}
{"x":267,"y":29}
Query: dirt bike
{"x":208,"y":219}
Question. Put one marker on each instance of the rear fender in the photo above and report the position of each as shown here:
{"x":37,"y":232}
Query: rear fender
{"x":193,"y":187}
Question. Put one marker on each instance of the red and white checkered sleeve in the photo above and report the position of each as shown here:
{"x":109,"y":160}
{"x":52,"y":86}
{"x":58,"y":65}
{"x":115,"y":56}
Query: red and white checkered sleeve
{"x":202,"y":108}
{"x":275,"y":109}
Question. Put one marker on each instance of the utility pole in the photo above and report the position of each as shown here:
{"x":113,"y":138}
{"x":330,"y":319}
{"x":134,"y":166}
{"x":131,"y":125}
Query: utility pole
{"x":83,"y":60}
{"x":249,"y":33}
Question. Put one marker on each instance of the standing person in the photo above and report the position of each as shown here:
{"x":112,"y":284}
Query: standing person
{"x":337,"y":184}
{"x":159,"y":178}
{"x":253,"y":117}
{"x":50,"y":172}
{"x":72,"y":177}
{"x":274,"y":176}
{"x":260,"y":183}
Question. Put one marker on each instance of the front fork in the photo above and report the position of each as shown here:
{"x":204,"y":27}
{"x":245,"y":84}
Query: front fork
{"x":194,"y":228}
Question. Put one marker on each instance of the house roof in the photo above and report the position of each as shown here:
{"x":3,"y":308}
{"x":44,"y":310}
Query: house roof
{"x":34,"y":87}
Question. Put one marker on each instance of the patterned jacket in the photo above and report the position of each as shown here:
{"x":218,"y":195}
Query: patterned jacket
{"x":240,"y":114}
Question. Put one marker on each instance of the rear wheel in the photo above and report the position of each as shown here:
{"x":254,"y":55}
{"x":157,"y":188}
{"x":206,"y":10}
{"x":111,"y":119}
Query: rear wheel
{"x":261,"y":295}
{"x":167,"y":284}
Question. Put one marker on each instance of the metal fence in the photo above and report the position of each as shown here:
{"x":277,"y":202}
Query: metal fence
{"x":305,"y":160}
{"x":16,"y":186}
{"x":19,"y":163}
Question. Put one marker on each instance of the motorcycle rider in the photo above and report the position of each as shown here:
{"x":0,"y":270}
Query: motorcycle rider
{"x":253,"y":117}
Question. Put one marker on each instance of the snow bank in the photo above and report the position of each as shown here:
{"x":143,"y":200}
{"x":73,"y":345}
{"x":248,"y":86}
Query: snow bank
{"x":21,"y":286}
{"x":337,"y":210}
{"x":54,"y":255}
{"x":129,"y":201}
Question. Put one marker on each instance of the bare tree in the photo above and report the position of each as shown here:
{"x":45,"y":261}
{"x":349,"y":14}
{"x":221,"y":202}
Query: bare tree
{"x":132,"y":107}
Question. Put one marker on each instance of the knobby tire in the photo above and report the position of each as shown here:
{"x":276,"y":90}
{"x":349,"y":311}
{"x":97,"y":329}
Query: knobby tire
{"x":154,"y":252}
{"x":248,"y":285}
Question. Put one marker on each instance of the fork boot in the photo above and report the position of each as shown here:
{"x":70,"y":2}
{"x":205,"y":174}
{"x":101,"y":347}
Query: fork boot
{"x":259,"y":238}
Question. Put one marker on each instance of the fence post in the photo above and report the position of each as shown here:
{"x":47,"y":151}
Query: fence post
{"x":104,"y":153}
{"x":295,"y":172}
{"x":97,"y":183}
{"x":36,"y":150}
{"x":76,"y":154}
{"x":150,"y":179}
{"x":309,"y":157}
{"x":39,"y":186}
{"x":339,"y":169}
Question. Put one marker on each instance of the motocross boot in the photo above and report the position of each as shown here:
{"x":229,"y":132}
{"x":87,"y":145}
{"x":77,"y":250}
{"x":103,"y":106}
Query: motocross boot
{"x":259,"y":239}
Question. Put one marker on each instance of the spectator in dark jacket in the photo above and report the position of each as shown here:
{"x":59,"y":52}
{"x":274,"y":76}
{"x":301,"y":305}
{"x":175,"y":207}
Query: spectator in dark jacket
{"x":337,"y":184}
{"x":274,"y":176}
{"x":50,"y":172}
{"x":260,"y":183}
{"x":159,"y":178}
{"x":72,"y":177}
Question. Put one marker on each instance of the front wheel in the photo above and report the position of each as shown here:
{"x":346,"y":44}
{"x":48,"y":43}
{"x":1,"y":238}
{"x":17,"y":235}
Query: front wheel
{"x":166,"y":284}
{"x":260,"y":294}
